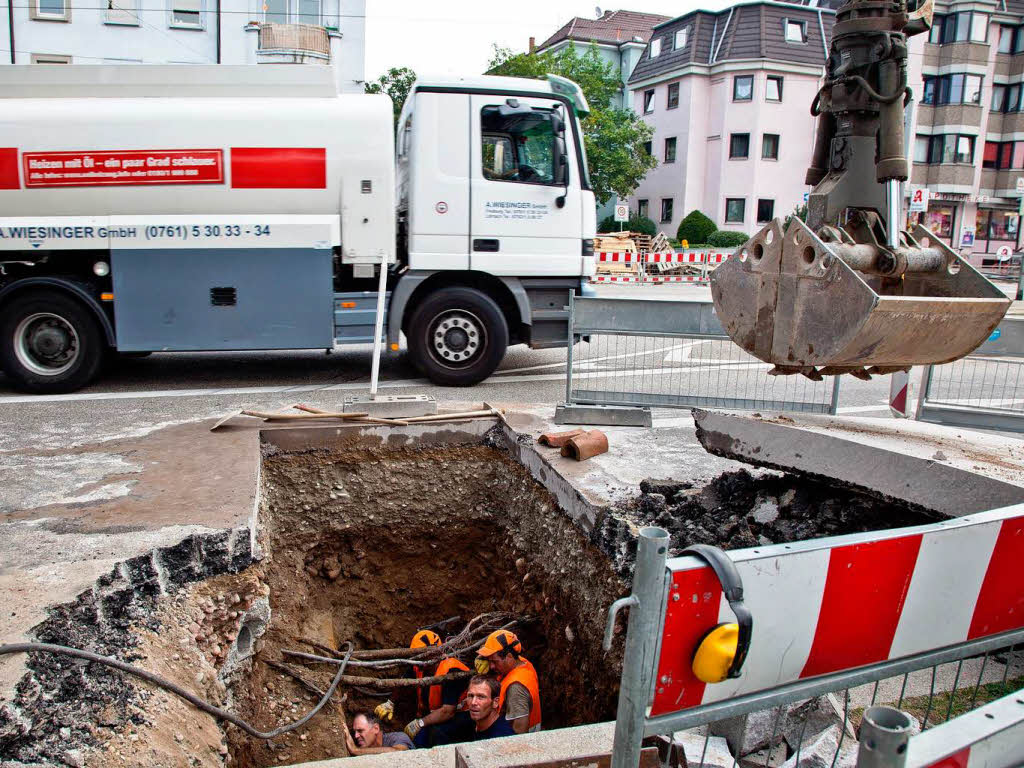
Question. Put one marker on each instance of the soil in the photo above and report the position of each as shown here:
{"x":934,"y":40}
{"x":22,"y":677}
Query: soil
{"x":739,"y":509}
{"x":370,"y":546}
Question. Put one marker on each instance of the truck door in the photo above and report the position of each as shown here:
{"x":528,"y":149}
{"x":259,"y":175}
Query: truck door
{"x":525,"y":216}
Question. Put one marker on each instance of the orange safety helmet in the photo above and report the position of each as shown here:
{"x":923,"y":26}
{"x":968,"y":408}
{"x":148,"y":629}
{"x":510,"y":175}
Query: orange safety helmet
{"x":501,"y":640}
{"x":424,"y":638}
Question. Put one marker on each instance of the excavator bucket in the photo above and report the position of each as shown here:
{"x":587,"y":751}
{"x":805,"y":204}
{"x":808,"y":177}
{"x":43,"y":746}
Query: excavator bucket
{"x":788,"y":299}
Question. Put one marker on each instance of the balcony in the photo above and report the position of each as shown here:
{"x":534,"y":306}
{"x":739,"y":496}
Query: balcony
{"x":293,"y":44}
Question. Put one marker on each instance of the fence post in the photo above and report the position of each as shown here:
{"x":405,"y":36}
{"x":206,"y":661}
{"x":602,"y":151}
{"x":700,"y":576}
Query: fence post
{"x":1020,"y":279}
{"x":646,"y":602}
{"x":568,"y":355}
{"x":884,"y":733}
{"x":922,"y":390}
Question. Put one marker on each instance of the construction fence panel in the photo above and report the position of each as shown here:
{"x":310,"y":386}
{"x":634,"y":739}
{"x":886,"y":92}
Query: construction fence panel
{"x":674,"y":354}
{"x":925,"y":618}
{"x":985,"y":389}
{"x":693,"y":267}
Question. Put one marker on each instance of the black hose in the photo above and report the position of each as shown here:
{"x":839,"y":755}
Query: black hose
{"x":191,"y":698}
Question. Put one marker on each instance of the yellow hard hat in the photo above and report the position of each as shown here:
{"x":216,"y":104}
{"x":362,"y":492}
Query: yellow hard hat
{"x":501,"y":640}
{"x":424,"y":638}
{"x":716,"y":652}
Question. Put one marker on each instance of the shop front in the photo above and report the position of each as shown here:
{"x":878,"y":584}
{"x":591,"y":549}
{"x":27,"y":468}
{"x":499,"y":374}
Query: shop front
{"x":995,"y":227}
{"x":943,"y":217}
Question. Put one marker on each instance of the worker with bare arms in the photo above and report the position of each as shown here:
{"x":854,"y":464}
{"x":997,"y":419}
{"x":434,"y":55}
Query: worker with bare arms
{"x":371,"y":739}
{"x":438,"y":718}
{"x":519,"y":694}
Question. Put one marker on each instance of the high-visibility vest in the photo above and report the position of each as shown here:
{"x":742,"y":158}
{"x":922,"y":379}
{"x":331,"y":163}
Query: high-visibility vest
{"x":526,"y":675}
{"x":433,"y":701}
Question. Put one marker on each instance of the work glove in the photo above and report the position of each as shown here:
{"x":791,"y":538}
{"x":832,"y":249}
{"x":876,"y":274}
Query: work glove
{"x":385,"y":711}
{"x":414,"y":727}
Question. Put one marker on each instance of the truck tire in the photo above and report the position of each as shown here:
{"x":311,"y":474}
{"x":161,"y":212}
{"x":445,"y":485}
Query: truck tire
{"x":49,"y":343}
{"x":457,"y":336}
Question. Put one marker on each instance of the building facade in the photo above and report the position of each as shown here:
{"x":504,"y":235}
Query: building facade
{"x":317,"y":32}
{"x":968,"y":124}
{"x":728,"y":95}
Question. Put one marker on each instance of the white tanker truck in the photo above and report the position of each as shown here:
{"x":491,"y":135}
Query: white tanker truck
{"x":152,"y":209}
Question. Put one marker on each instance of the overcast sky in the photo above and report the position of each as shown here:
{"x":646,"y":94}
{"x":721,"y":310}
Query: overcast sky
{"x":456,"y":36}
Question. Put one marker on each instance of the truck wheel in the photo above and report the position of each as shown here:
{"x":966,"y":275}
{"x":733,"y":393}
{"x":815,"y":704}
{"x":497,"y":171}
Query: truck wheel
{"x":49,"y":343}
{"x":457,"y":336}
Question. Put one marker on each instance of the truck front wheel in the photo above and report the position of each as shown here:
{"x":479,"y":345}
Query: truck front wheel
{"x":49,"y":343}
{"x":457,"y":336}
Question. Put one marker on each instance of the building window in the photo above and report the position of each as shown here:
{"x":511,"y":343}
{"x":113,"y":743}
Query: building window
{"x":51,"y":10}
{"x":959,"y":28}
{"x":648,"y":101}
{"x":951,"y":148}
{"x":796,"y":31}
{"x":50,"y":58}
{"x":682,"y":36}
{"x":1003,"y":155}
{"x":773,"y":88}
{"x":765,"y":210}
{"x":655,"y":47}
{"x":770,"y":146}
{"x":735,"y":210}
{"x":517,"y":148}
{"x":996,"y":225}
{"x":121,"y":12}
{"x":673,"y":96}
{"x":666,"y":210}
{"x":739,"y":146}
{"x":921,"y":148}
{"x":648,"y":148}
{"x":292,"y":12}
{"x":642,"y":208}
{"x":1006,"y":98}
{"x":743,"y":88}
{"x":670,"y":150}
{"x":187,"y":14}
{"x":1006,"y":35}
{"x":952,"y":89}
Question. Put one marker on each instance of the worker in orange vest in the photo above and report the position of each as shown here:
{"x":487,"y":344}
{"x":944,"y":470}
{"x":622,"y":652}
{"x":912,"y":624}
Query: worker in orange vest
{"x":502,"y":654}
{"x":436,"y":722}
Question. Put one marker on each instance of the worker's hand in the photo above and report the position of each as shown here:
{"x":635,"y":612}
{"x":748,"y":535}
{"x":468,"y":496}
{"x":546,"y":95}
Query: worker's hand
{"x":350,"y":743}
{"x":414,"y":727}
{"x":385,"y":711}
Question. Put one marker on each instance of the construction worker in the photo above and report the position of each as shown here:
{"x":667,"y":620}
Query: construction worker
{"x":483,"y":699}
{"x":370,"y":738}
{"x":437,"y":722}
{"x":502,"y":654}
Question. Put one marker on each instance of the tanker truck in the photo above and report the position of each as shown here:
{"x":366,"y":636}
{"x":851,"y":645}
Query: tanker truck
{"x":175,"y":208}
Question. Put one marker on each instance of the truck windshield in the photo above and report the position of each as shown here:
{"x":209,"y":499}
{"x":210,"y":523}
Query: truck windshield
{"x":518,"y":145}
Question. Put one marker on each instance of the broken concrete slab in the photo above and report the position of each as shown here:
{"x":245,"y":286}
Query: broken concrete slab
{"x":438,"y":757}
{"x":391,"y":406}
{"x":950,"y":472}
{"x":704,"y":751}
{"x":820,"y":752}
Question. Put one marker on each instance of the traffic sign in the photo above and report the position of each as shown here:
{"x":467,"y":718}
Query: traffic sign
{"x":621,"y":211}
{"x":1020,"y":185}
{"x":918,"y":199}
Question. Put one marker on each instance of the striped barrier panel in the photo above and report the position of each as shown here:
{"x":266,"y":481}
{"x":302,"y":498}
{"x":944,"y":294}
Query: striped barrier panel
{"x":621,"y":258}
{"x":616,"y":279}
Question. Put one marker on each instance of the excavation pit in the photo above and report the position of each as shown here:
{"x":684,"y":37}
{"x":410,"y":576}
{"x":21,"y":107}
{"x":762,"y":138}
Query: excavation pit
{"x":369,"y":545}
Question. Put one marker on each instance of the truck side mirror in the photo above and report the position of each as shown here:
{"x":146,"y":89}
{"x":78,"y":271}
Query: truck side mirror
{"x":561,"y":170}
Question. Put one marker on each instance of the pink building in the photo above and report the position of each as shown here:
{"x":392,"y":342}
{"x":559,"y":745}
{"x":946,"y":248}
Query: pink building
{"x":728,"y":94}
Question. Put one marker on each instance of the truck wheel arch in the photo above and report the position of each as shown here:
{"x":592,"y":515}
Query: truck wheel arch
{"x":74,"y":289}
{"x":414,"y":286}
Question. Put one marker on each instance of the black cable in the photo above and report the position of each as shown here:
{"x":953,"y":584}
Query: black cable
{"x":177,"y":690}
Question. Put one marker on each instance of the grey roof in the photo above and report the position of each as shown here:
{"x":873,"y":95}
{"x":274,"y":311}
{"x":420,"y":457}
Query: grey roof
{"x":755,"y":31}
{"x":613,"y":27}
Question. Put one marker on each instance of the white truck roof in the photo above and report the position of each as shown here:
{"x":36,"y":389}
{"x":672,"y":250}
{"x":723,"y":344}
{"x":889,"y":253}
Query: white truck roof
{"x":158,"y":81}
{"x":484,"y":82}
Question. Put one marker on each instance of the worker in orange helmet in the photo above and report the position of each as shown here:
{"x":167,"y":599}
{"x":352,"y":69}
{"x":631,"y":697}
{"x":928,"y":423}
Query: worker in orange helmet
{"x":436,"y":722}
{"x":502,"y":654}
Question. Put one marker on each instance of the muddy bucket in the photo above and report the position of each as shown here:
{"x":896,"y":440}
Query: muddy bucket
{"x":791,"y":299}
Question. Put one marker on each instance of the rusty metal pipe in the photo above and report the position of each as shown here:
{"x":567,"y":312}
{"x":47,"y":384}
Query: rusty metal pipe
{"x":872,"y":260}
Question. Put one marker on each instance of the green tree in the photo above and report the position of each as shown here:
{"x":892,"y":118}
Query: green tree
{"x":614,"y":138}
{"x":396,"y":83}
{"x":695,"y":228}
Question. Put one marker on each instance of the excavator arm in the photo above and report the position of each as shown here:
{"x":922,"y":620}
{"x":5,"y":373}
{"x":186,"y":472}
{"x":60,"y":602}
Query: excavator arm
{"x":850,"y":291}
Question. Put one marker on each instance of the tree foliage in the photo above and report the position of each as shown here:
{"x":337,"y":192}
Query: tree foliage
{"x":695,"y":228}
{"x":396,"y":83}
{"x":614,"y":138}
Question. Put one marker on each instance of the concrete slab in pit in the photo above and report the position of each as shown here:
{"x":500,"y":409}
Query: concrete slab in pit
{"x":950,"y":470}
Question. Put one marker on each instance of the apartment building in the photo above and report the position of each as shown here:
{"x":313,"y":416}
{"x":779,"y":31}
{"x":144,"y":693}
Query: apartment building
{"x":968,"y":123}
{"x":728,"y":95}
{"x":316,"y":32}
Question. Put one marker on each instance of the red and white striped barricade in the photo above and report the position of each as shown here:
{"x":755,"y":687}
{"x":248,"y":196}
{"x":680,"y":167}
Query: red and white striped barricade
{"x":608,"y":257}
{"x":656,"y":262}
{"x":827,"y":613}
{"x":991,"y":736}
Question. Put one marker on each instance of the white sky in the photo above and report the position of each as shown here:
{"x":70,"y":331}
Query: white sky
{"x":455,"y":36}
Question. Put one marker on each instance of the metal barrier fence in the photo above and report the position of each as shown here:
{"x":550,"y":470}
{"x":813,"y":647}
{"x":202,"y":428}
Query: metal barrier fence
{"x":883,"y":616}
{"x":674,"y":354}
{"x":983,"y":390}
{"x":655,"y":267}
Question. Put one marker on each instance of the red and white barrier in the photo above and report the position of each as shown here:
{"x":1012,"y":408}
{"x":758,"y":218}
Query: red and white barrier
{"x":685,"y":257}
{"x":850,"y":601}
{"x":621,"y":258}
{"x":616,"y":279}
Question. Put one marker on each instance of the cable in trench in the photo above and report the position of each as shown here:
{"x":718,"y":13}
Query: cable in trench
{"x":177,"y":690}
